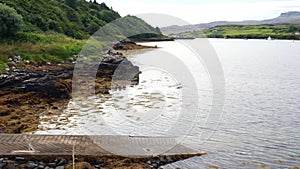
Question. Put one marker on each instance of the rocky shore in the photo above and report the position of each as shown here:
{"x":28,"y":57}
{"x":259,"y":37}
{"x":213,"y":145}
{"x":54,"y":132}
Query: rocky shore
{"x":27,"y":93}
{"x":87,"y":162}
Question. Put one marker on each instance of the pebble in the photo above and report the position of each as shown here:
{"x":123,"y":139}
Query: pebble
{"x":60,"y":161}
{"x":97,"y":166}
{"x":60,"y":167}
{"x":52,"y":164}
{"x":100,"y":162}
{"x":157,"y":162}
{"x":20,"y":159}
{"x":31,"y":165}
{"x":42,"y":163}
{"x":154,"y":165}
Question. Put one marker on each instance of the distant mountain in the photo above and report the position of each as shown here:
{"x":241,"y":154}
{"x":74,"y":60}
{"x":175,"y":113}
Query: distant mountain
{"x":288,"y":18}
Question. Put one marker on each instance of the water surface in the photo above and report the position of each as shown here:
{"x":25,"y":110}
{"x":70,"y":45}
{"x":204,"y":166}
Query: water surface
{"x":260,"y":125}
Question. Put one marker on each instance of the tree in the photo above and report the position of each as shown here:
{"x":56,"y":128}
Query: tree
{"x":10,"y":21}
{"x":292,"y":29}
{"x":72,"y":3}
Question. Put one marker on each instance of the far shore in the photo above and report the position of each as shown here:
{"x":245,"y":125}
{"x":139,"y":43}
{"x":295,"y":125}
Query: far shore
{"x":295,"y":40}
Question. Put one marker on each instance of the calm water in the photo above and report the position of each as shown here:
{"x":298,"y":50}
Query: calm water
{"x":260,"y":124}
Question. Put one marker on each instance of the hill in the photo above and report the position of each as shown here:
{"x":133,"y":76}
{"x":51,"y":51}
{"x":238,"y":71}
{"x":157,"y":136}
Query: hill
{"x":74,"y":18}
{"x":56,"y":30}
{"x":288,"y":18}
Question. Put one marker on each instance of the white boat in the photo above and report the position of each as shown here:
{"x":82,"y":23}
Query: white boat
{"x":269,"y":38}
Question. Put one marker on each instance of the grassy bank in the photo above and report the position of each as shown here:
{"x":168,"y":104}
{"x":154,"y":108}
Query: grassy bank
{"x":248,"y":32}
{"x":38,"y":49}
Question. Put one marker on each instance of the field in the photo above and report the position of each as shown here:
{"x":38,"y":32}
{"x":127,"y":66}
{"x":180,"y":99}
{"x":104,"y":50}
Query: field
{"x":248,"y":32}
{"x":38,"y":49}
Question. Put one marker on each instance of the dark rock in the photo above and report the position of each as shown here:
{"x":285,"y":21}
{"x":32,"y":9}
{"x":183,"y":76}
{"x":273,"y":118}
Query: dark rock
{"x":112,"y":52}
{"x":55,"y":108}
{"x":56,"y":83}
{"x":60,"y":161}
{"x":42,"y":82}
{"x":162,"y":161}
{"x":100,"y":161}
{"x":154,"y":160}
{"x":122,"y":45}
{"x":42,"y":163}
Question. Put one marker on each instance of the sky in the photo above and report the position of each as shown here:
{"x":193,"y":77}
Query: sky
{"x":203,"y":11}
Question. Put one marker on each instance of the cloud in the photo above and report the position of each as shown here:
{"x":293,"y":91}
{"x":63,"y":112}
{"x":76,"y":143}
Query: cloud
{"x":199,"y":11}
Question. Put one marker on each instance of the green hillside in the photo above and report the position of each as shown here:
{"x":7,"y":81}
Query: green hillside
{"x":55,"y":30}
{"x":75,"y":18}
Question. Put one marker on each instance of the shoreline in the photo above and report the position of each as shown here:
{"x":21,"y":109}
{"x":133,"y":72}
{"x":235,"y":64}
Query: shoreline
{"x":29,"y":92}
{"x":255,"y":39}
{"x":32,"y":91}
{"x":295,"y":40}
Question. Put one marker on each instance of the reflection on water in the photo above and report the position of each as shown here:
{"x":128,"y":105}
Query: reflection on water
{"x":261,"y":119}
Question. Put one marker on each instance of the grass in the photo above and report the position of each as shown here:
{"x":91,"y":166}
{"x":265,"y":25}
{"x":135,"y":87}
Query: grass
{"x":248,"y":31}
{"x":39,"y":48}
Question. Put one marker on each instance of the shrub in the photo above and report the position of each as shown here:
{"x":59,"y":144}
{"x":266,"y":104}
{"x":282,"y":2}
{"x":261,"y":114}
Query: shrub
{"x":10,"y":21}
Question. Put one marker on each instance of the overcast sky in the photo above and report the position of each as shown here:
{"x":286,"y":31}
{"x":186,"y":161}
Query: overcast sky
{"x":202,"y":11}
